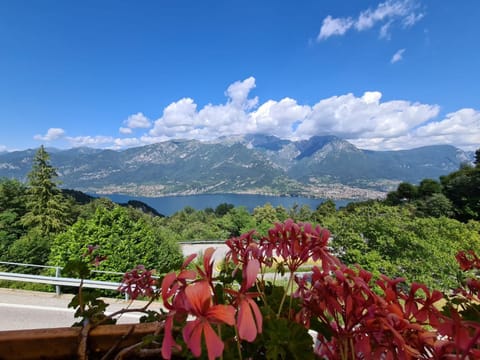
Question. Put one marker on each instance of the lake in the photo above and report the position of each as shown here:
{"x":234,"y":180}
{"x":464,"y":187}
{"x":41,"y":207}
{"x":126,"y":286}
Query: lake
{"x":169,"y":205}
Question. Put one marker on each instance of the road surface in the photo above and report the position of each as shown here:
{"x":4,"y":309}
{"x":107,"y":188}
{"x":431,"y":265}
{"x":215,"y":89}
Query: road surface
{"x":20,"y":309}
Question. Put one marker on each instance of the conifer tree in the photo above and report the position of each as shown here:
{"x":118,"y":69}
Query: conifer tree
{"x":47,"y":208}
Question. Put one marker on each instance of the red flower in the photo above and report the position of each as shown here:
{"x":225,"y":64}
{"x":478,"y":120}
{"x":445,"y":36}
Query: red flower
{"x":138,"y":281}
{"x":427,"y":311}
{"x":199,"y":298}
{"x":468,"y":260}
{"x":297,"y":242}
{"x":249,"y":317}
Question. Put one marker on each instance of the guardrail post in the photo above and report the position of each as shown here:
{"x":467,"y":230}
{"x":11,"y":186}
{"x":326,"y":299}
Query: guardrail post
{"x":57,"y":274}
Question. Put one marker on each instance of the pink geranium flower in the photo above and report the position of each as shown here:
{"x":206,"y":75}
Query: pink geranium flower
{"x":199,"y":297}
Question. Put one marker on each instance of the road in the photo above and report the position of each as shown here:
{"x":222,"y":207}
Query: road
{"x":20,"y":309}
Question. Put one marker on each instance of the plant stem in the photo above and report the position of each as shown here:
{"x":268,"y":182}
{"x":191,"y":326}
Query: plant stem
{"x":81,"y":305}
{"x":239,"y":349}
{"x":285,"y":295}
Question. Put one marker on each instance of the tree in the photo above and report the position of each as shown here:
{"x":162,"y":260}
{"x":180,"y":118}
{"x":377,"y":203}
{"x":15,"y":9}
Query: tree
{"x":237,"y":221}
{"x":324,"y":210}
{"x":428,"y":187}
{"x":12,"y":208}
{"x":47,"y":208}
{"x":462,"y":187}
{"x":265,"y":216}
{"x":435,"y":205}
{"x":125,"y":242}
{"x":393,"y":241}
{"x":406,"y":191}
{"x":223,"y":208}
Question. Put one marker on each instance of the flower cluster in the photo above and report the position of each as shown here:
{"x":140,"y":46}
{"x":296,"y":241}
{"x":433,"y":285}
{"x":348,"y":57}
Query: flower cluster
{"x":138,"y":282}
{"x":242,"y":312}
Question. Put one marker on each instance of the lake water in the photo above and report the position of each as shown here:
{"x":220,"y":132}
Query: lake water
{"x":169,"y":205}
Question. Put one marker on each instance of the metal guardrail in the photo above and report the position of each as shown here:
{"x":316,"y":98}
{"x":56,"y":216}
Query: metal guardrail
{"x":58,"y":280}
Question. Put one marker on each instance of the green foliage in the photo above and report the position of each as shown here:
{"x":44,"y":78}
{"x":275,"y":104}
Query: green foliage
{"x":299,"y":213}
{"x":463,"y":189}
{"x":284,"y":340}
{"x":429,"y":187}
{"x":12,"y":208}
{"x":436,"y":205}
{"x":393,"y":241}
{"x":223,"y":209}
{"x":47,"y":208}
{"x":125,"y":242}
{"x":406,"y":191}
{"x":324,"y":210}
{"x":237,"y":221}
{"x":32,"y":248}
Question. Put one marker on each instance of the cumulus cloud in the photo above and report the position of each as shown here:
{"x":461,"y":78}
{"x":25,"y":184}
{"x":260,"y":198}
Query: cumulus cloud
{"x":403,"y":11}
{"x":181,"y":119}
{"x":279,"y":118}
{"x":52,"y":134}
{"x":460,"y":128}
{"x":397,"y":56}
{"x":348,"y":116}
{"x":366,"y":120}
{"x":135,"y":121}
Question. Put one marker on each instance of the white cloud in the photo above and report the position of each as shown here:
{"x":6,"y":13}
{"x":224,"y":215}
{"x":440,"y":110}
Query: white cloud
{"x":331,"y":26}
{"x":386,"y":13}
{"x":460,"y":129}
{"x":385,"y":31}
{"x":125,"y":130}
{"x":52,"y":134}
{"x":92,"y":141}
{"x":126,"y":142}
{"x":397,"y":56}
{"x":278,"y":118}
{"x":138,"y":120}
{"x":350,"y":117}
{"x":135,"y":121}
{"x":238,"y":93}
{"x":366,"y":120}
{"x":181,"y":119}
{"x":412,"y":19}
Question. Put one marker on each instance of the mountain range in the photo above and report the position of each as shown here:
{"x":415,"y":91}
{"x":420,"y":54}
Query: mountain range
{"x":322,"y":166}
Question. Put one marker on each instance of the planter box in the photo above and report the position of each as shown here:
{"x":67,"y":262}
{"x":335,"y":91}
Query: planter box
{"x":62,"y":343}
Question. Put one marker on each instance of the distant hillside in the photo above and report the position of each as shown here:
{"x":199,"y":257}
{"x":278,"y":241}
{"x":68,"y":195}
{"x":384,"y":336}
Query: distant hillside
{"x":323,"y":166}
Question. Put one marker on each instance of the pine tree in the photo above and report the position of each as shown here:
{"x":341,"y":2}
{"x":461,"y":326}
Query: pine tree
{"x":47,"y":208}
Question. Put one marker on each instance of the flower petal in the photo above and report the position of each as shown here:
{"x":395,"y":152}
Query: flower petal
{"x":251,"y":272}
{"x":199,"y":296}
{"x":192,"y":334}
{"x":247,"y":329}
{"x":221,"y":313}
{"x":213,"y":342}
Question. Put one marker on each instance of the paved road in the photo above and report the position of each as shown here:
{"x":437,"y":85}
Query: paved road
{"x":20,"y":309}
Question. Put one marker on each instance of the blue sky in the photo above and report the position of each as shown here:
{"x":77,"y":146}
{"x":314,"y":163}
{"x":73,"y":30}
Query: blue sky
{"x":384,"y":75}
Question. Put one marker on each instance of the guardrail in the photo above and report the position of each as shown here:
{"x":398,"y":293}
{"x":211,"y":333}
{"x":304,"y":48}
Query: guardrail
{"x":57,"y":280}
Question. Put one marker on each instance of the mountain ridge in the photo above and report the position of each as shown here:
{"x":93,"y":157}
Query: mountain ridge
{"x":322,"y":166}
